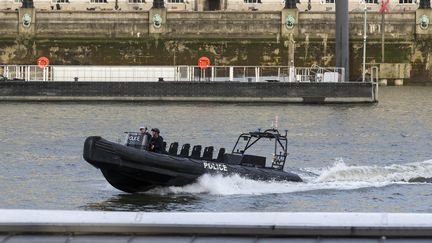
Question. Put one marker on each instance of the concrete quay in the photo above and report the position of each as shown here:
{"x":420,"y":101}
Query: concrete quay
{"x":189,"y":91}
{"x":99,"y":226}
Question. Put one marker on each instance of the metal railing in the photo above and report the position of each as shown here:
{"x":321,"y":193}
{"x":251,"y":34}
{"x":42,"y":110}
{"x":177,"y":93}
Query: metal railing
{"x":240,"y":73}
{"x":26,"y":72}
{"x":320,"y":74}
{"x":173,"y":73}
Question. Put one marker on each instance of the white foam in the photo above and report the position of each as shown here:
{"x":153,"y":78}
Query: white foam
{"x":392,"y":173}
{"x":337,"y":177}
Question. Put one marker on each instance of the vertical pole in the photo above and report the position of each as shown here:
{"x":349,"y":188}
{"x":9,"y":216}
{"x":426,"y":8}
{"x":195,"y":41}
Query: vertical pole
{"x":382,"y":36}
{"x":278,"y":74}
{"x":364,"y":43}
{"x":342,"y":36}
{"x":291,"y":49}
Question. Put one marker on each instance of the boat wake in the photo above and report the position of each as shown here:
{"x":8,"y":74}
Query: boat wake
{"x":392,"y":173}
{"x":339,"y":176}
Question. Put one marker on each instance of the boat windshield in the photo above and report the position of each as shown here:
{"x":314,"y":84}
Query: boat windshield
{"x":268,"y":142}
{"x":135,"y":139}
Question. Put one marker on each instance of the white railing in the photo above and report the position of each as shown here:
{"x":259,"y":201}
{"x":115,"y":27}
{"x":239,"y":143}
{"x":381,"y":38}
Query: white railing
{"x":173,"y":73}
{"x":320,"y":74}
{"x":26,"y":72}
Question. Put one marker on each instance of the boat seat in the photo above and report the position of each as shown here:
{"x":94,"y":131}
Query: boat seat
{"x":196,"y":151}
{"x":173,"y":148}
{"x":164,"y":144}
{"x":208,"y":153}
{"x":185,"y":150}
{"x":221,"y":154}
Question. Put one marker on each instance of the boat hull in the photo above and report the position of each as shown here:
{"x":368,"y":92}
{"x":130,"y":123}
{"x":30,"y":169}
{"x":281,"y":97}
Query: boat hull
{"x":133,"y":170}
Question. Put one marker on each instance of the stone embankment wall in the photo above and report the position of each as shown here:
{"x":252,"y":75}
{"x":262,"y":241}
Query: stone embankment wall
{"x":227,"y":38}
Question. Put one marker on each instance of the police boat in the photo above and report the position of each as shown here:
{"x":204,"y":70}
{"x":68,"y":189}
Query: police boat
{"x":130,"y":167}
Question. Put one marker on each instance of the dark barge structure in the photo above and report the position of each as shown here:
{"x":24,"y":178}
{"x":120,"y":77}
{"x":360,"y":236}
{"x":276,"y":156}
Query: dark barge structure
{"x":184,"y":91}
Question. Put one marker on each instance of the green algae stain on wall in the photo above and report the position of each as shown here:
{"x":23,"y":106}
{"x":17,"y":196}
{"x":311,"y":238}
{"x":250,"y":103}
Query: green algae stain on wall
{"x":252,"y":52}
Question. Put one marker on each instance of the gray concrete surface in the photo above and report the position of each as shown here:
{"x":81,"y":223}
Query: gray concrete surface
{"x":97,"y":226}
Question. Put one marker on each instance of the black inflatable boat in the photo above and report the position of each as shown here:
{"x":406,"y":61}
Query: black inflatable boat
{"x":131,"y":168}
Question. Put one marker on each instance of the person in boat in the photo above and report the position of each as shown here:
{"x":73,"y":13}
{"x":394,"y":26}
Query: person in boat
{"x":146,"y":137}
{"x":156,"y":142}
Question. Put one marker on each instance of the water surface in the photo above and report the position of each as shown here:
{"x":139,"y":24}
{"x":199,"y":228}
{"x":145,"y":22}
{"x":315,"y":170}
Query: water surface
{"x":354,"y":157}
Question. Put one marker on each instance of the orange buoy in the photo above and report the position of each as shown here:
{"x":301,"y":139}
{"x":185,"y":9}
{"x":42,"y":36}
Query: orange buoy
{"x":204,"y":62}
{"x":43,"y":62}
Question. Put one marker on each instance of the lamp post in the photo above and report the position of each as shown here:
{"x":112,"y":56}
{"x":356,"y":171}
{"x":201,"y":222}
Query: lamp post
{"x":364,"y":43}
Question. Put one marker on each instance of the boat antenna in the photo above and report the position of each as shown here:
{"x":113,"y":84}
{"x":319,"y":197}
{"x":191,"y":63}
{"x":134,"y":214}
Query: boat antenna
{"x":276,"y":121}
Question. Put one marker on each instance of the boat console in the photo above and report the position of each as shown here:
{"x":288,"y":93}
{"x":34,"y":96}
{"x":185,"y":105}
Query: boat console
{"x":251,"y":138}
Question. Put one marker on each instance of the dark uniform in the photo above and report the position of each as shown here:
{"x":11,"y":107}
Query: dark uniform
{"x":156,"y":143}
{"x":145,"y":138}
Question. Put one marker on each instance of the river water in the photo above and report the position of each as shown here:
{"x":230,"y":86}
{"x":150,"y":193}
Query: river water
{"x":353,"y":157}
